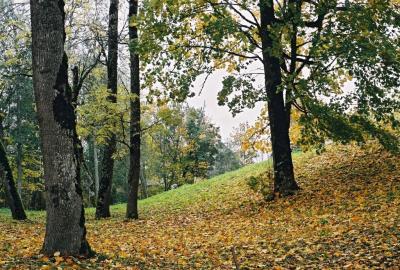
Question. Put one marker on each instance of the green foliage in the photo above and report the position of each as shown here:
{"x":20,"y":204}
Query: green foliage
{"x":101,"y":118}
{"x":262,"y":184}
{"x":181,"y":147}
{"x":226,"y":160}
{"x":361,"y":46}
{"x":18,"y":123}
{"x":340,"y":61}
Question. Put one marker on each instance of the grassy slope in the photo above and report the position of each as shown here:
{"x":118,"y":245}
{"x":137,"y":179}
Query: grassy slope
{"x":347,"y":215}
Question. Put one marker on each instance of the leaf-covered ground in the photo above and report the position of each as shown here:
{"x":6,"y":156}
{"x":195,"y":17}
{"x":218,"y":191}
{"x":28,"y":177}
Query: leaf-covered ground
{"x":347,"y":216}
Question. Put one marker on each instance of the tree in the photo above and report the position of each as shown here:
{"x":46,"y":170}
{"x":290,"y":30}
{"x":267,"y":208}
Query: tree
{"x":180,"y":144}
{"x":107,"y":162}
{"x":306,"y":50}
{"x":65,"y":220}
{"x":135,"y":131}
{"x":12,"y":197}
{"x":279,"y":113}
{"x":247,"y":154}
{"x":226,"y":160}
{"x":16,"y":100}
{"x":202,"y":139}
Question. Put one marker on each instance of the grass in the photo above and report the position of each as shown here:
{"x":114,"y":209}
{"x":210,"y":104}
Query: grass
{"x":346,"y":216}
{"x":177,"y":199}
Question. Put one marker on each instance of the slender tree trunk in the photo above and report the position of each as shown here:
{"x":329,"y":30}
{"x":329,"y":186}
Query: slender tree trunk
{"x":96,"y":168}
{"x":12,"y":197}
{"x":65,"y":220}
{"x":107,"y":162}
{"x":134,"y":150}
{"x":19,"y":168}
{"x":19,"y":148}
{"x":284,"y":182}
{"x":143,"y":180}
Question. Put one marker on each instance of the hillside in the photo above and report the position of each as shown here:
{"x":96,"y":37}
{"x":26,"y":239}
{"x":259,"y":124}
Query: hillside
{"x":347,"y":215}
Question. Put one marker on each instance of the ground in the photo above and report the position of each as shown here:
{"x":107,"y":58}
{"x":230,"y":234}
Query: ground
{"x":347,"y":216}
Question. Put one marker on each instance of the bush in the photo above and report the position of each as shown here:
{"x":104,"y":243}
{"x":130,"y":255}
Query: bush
{"x":262,"y":184}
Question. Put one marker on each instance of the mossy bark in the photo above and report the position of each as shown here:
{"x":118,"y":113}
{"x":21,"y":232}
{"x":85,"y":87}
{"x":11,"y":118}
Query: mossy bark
{"x":65,"y":220}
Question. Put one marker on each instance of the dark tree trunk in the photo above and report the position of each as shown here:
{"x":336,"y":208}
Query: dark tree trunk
{"x":65,"y":220}
{"x":12,"y":197}
{"x":284,"y":182}
{"x":107,"y":162}
{"x":38,"y":201}
{"x":19,"y":156}
{"x":134,"y":150}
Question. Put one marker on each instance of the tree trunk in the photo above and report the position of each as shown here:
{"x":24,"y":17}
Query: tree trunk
{"x":107,"y":162}
{"x":143,"y":180}
{"x":96,"y":168}
{"x":284,"y":182}
{"x":65,"y":219}
{"x":19,"y":148}
{"x":134,"y":150}
{"x":38,"y":200}
{"x":19,"y":168}
{"x":12,"y":197}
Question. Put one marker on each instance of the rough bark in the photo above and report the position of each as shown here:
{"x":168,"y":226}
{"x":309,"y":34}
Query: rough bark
{"x":107,"y":162}
{"x":12,"y":197}
{"x":284,"y":181}
{"x":65,"y":219}
{"x":134,"y":150}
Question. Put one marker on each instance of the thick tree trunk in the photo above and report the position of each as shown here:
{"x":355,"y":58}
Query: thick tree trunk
{"x":65,"y":220}
{"x":107,"y":162}
{"x":284,"y":182}
{"x":12,"y":197}
{"x":134,"y":150}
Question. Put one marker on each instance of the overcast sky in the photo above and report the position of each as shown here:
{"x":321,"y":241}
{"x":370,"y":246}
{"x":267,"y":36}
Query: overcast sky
{"x":220,"y":115}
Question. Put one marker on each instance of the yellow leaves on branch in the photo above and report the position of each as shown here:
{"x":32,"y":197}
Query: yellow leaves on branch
{"x":257,"y":136}
{"x":100,"y":118}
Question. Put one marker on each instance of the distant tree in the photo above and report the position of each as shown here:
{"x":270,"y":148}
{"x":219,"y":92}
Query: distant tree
{"x":241,"y":146}
{"x":164,"y":143}
{"x":202,"y":139}
{"x":226,"y":160}
{"x":180,"y":146}
{"x":65,"y":220}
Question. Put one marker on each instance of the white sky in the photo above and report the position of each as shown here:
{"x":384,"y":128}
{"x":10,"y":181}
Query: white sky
{"x":220,"y":115}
